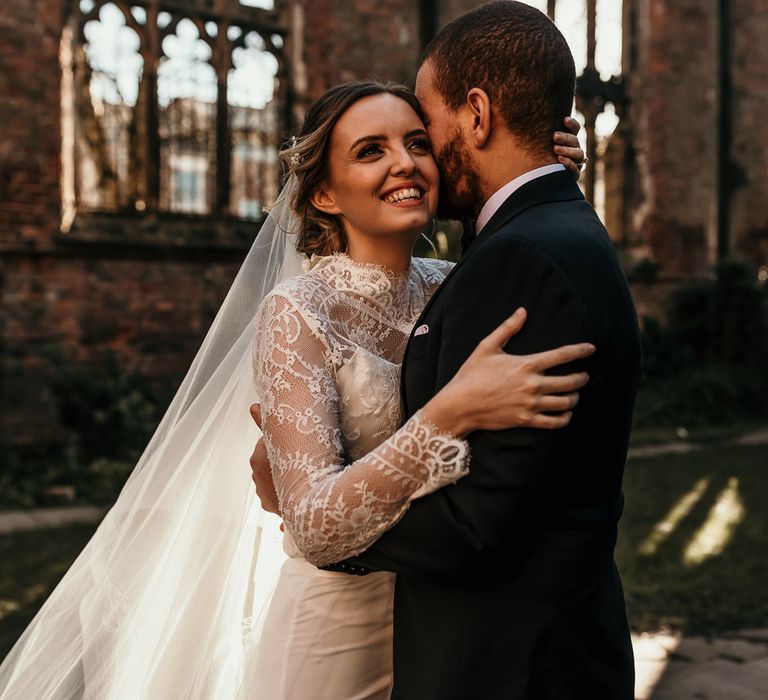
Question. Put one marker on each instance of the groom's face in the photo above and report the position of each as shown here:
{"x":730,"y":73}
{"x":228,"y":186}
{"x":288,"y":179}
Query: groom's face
{"x":460,"y":194}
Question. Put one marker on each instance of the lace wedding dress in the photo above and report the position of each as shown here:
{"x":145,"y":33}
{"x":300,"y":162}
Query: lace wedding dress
{"x":327,"y":365}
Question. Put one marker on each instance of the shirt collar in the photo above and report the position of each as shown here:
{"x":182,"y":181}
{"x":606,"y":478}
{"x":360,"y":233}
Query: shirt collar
{"x":502,"y":194}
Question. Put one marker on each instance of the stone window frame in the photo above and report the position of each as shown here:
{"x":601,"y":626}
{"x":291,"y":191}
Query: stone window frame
{"x":147,"y":226}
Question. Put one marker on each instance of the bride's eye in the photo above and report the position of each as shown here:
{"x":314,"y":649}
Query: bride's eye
{"x":372,"y":149}
{"x":421,"y":144}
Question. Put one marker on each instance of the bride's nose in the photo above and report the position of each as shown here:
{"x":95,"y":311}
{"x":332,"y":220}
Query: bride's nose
{"x":403,"y":162}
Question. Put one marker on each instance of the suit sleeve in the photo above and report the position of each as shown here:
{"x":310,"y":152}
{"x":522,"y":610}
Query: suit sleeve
{"x":463,"y":527}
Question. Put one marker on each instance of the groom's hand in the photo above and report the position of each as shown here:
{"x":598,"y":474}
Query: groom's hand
{"x":261,"y":471}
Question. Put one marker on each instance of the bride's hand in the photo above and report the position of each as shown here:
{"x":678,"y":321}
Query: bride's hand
{"x":567,"y":148}
{"x":494,"y":390}
{"x":261,"y":471}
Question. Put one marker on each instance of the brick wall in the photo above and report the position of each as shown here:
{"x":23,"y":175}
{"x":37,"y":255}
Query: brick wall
{"x":674,"y":93}
{"x":673,"y":115}
{"x":150,"y":314}
{"x":749,"y":213}
{"x":29,"y":122}
{"x":106,"y":292}
{"x":355,"y":39}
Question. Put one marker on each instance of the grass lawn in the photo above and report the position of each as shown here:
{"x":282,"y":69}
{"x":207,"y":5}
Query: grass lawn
{"x":33,"y":562}
{"x":692,"y":541}
{"x":691,"y":547}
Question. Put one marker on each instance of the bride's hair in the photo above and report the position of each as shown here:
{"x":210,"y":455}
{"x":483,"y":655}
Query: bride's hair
{"x":307,"y":158}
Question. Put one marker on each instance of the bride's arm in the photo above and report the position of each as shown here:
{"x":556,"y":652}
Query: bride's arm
{"x":333,"y":511}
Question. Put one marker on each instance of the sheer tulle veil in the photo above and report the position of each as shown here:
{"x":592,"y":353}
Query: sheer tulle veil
{"x":166,"y":598}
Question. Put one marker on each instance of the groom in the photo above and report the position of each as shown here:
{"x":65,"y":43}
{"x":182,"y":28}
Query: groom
{"x":506,"y":586}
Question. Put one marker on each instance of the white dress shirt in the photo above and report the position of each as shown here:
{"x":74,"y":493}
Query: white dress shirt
{"x":502,"y":194}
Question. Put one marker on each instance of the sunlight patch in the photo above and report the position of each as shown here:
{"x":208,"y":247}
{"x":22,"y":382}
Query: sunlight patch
{"x":8,"y":606}
{"x":717,"y":531}
{"x":664,"y":528}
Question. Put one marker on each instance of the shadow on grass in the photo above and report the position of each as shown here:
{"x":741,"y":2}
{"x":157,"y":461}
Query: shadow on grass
{"x":726,"y":591}
{"x":33,"y":563}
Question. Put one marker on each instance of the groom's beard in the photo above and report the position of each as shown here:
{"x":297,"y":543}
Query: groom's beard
{"x":460,"y":195}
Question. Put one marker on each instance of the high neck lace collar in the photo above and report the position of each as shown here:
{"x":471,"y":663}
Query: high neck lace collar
{"x":378,"y":284}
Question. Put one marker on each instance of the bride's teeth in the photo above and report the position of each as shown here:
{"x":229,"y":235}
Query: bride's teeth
{"x":400,"y":195}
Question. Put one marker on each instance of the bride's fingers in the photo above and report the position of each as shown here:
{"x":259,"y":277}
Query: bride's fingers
{"x":559,"y":356}
{"x":551,"y":422}
{"x":256,"y":413}
{"x":555,"y":404}
{"x":573,"y":153}
{"x":564,"y":138}
{"x":571,"y":166}
{"x":573,"y":125}
{"x":497,"y":339}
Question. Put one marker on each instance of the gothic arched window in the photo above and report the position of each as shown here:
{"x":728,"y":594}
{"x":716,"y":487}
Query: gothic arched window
{"x":172,"y":108}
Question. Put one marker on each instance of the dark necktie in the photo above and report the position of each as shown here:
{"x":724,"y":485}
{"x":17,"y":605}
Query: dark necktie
{"x":468,"y":235}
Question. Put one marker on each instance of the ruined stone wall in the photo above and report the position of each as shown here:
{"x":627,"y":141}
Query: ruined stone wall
{"x":674,"y":93}
{"x":78,"y":299}
{"x":29,"y":122}
{"x":673,"y":112}
{"x":148,"y":294}
{"x":749,"y":212}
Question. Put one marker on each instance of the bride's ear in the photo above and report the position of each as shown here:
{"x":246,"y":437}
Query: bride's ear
{"x":323,"y":200}
{"x":479,"y":105}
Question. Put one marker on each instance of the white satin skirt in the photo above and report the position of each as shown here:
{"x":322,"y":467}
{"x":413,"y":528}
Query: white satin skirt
{"x":326,"y":636}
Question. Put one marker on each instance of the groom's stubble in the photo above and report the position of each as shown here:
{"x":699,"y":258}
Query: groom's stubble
{"x":460,"y":195}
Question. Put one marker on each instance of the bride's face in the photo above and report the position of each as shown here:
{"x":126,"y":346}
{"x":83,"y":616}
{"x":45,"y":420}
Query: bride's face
{"x":381,"y":178}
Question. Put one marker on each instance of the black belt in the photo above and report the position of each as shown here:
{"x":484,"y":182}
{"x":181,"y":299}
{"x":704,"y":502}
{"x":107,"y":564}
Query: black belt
{"x":350,"y":569}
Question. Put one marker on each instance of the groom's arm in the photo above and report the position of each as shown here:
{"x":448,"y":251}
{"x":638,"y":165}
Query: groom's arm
{"x":465,"y":526}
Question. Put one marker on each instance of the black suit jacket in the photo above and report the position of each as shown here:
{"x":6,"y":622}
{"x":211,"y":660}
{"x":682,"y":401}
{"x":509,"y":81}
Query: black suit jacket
{"x":506,"y":583}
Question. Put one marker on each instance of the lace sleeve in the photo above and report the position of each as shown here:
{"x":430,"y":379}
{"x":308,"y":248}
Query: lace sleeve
{"x":333,"y":511}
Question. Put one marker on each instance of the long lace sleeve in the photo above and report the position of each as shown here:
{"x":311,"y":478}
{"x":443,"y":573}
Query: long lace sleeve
{"x":333,"y":511}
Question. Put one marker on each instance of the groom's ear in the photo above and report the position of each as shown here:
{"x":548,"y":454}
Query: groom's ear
{"x":323,"y":200}
{"x":479,"y":106}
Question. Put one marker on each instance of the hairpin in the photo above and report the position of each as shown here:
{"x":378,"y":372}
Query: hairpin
{"x":295,"y":158}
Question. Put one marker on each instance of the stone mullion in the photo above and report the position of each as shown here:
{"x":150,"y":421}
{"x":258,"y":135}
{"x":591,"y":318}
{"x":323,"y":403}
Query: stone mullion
{"x":725,"y":137}
{"x":222,"y":62}
{"x":76,"y":76}
{"x":591,"y":33}
{"x":151,"y":109}
{"x":551,"y":9}
{"x":590,"y":114}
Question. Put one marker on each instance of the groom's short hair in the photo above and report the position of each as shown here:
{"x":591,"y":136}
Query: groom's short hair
{"x":518,"y":56}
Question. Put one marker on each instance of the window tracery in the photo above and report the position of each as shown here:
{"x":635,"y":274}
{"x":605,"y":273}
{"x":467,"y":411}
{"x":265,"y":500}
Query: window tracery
{"x":172,"y":108}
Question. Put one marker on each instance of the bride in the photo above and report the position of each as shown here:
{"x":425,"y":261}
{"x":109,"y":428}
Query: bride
{"x":175,"y":596}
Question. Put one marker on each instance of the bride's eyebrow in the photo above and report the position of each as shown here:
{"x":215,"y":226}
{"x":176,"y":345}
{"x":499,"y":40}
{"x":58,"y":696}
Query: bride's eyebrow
{"x":363,"y":139}
{"x":382,"y":137}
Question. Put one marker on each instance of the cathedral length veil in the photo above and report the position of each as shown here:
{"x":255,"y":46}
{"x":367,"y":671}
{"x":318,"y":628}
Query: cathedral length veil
{"x":166,"y":598}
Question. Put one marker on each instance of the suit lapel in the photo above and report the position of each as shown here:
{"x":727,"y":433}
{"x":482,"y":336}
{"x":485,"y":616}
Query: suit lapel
{"x":555,"y":187}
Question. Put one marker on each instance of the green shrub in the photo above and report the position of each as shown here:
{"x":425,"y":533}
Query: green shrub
{"x":110,"y":413}
{"x":707,"y":365}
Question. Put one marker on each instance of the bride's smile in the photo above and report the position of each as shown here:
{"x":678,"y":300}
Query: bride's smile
{"x":381,"y":179}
